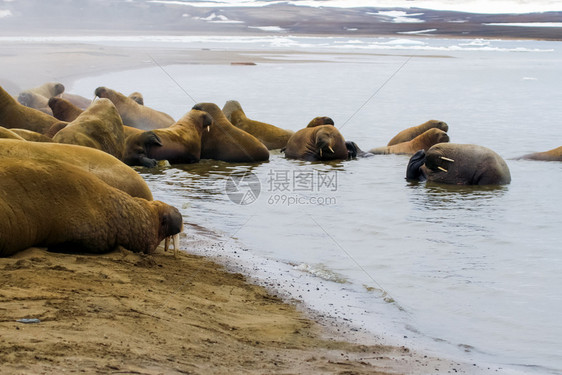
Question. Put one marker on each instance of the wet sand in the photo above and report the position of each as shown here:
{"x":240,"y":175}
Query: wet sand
{"x":132,"y":313}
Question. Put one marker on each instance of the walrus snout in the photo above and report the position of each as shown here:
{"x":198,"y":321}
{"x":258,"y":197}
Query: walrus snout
{"x":413,"y":171}
{"x":100,"y":92}
{"x":58,"y":89}
{"x":25,"y":98}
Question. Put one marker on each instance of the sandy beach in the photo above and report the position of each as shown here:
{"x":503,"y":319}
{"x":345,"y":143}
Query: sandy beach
{"x":151,"y":314}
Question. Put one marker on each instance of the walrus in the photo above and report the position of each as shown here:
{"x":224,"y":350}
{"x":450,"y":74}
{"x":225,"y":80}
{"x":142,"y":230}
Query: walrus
{"x":16,"y":115}
{"x":34,"y":100}
{"x":48,"y":89}
{"x":226,"y":142}
{"x":178,"y":144}
{"x":271,"y":136}
{"x":137,"y":97}
{"x":422,"y":142}
{"x":99,"y":126}
{"x":134,"y":114}
{"x":106,"y":167}
{"x":320,"y":120}
{"x":412,"y":132}
{"x":458,"y":164}
{"x":63,"y":109}
{"x":31,"y":136}
{"x":60,"y":206}
{"x":551,"y":155}
{"x":9,"y":134}
{"x":322,"y":142}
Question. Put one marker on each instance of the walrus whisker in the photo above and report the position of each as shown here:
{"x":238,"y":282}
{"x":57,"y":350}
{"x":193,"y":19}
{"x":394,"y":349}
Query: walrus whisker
{"x":446,"y":159}
{"x":442,"y":169}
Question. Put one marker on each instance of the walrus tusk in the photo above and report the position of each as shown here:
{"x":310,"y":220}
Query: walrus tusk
{"x":447,"y":159}
{"x":331,"y":149}
{"x":176,"y":242}
{"x":208,"y":129}
{"x":442,"y":169}
{"x":320,"y":152}
{"x":166,"y":243}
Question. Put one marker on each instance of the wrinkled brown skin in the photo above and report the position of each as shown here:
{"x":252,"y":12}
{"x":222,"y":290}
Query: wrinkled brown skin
{"x":551,"y":155}
{"x":9,"y":134}
{"x":411,"y":133}
{"x":137,"y":97}
{"x":313,"y":144}
{"x":228,"y":143}
{"x":178,"y":144}
{"x":134,"y":114}
{"x":16,"y":115}
{"x":63,"y":109}
{"x":472,"y":165}
{"x":320,"y":120}
{"x":99,"y":126}
{"x":106,"y":167}
{"x":31,"y":136}
{"x":79,"y":101}
{"x":57,"y":205}
{"x":34,"y":100}
{"x":270,"y":135}
{"x":423,"y":141}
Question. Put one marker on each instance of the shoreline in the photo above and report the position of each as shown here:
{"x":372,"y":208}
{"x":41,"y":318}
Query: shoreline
{"x":91,"y":306}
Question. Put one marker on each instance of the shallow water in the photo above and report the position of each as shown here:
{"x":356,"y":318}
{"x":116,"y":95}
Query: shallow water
{"x":473,"y":272}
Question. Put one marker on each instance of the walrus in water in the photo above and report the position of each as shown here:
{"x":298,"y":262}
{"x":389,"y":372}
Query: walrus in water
{"x":322,"y":142}
{"x":271,"y":136}
{"x":228,"y":143}
{"x":134,"y":114}
{"x":16,"y":115}
{"x":458,"y":164}
{"x":106,"y":167}
{"x":551,"y":155}
{"x":423,"y":141}
{"x":412,"y":132}
{"x":99,"y":126}
{"x":179,"y":144}
{"x":57,"y":205}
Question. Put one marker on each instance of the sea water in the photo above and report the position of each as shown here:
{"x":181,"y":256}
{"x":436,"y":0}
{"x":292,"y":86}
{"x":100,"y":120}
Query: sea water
{"x":473,"y":272}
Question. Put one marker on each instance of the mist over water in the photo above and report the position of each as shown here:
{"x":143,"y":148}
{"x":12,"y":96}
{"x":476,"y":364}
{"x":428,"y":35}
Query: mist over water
{"x":473,"y":272}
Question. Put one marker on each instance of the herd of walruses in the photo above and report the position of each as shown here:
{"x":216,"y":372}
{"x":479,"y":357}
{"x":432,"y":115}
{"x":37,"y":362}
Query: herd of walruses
{"x":66,"y":180}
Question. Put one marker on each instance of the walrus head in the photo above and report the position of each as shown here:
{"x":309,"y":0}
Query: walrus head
{"x":320,"y":120}
{"x":101,"y":92}
{"x":324,"y":143}
{"x":137,"y":149}
{"x":26,"y":99}
{"x":171,"y":224}
{"x":414,"y":171}
{"x":58,"y":89}
{"x":137,"y":97}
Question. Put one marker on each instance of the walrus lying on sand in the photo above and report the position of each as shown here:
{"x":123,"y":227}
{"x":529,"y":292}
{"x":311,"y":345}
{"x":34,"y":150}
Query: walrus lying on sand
{"x":106,"y":167}
{"x":57,"y":205}
{"x":16,"y":115}
{"x":271,"y":136}
{"x":458,"y":164}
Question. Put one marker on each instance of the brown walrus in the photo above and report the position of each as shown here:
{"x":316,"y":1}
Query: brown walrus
{"x":63,"y":109}
{"x":31,"y":136}
{"x":99,"y":126}
{"x":16,"y":115}
{"x":322,"y":142}
{"x":57,"y":205}
{"x":108,"y":168}
{"x":180,"y":143}
{"x":9,"y":134}
{"x":228,"y":143}
{"x":551,"y":155}
{"x":320,"y":120}
{"x":411,"y":133}
{"x":422,"y":142}
{"x":270,"y":135}
{"x":134,"y":114}
{"x":459,"y":164}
